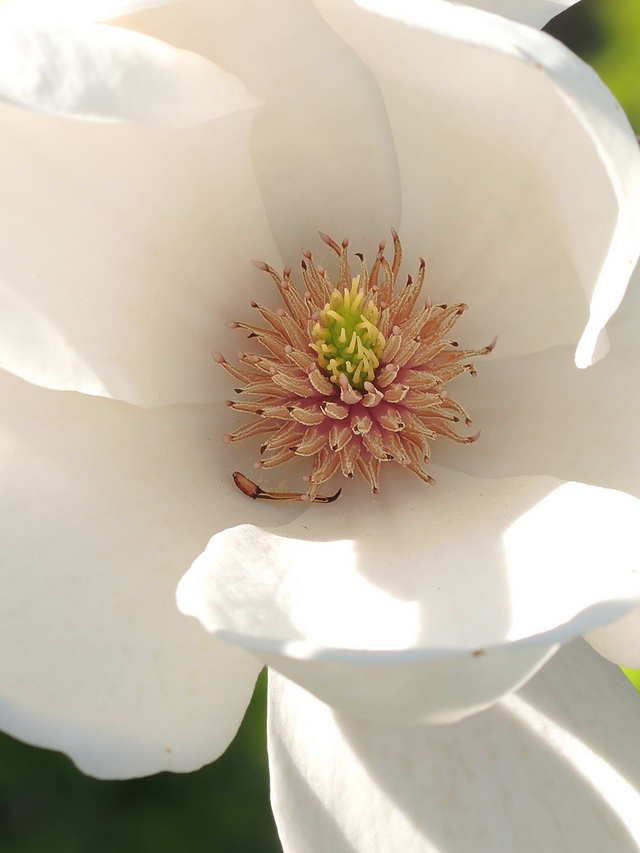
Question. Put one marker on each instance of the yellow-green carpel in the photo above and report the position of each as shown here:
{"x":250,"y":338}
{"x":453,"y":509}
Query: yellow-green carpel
{"x":347,"y":338}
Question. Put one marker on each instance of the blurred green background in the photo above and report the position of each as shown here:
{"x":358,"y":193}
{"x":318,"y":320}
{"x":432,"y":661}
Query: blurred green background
{"x":606,"y":34}
{"x":47,"y":806}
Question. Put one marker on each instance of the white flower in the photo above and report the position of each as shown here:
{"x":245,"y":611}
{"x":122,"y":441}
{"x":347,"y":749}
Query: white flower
{"x":502,"y":160}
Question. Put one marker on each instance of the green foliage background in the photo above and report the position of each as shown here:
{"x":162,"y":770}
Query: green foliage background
{"x":47,"y":806}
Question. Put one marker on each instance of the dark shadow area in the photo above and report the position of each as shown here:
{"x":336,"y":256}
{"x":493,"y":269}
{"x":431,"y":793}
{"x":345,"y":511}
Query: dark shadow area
{"x":578,"y":27}
{"x":48,"y":806}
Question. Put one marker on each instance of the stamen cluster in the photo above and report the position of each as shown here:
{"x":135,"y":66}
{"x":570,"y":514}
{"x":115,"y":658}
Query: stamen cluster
{"x":351,"y":387}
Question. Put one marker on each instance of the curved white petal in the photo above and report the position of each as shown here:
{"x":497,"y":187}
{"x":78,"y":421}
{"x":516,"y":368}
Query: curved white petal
{"x":104,"y":506}
{"x":539,"y":414}
{"x":107,"y":73}
{"x":84,"y":10}
{"x":536,"y":13}
{"x":552,"y":769}
{"x":422,"y":605}
{"x":620,"y":641}
{"x":321,"y":146}
{"x":125,"y":251}
{"x":520,"y":174}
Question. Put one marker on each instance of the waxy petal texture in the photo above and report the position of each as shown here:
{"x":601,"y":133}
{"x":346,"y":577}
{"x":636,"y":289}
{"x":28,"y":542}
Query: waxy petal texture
{"x":99,"y":72}
{"x":554,"y":768}
{"x":321,"y":146}
{"x":416,"y":607}
{"x":539,"y":415}
{"x":84,"y":10}
{"x":620,"y":641}
{"x":519,"y":171}
{"x":103,"y":504}
{"x":125,"y":251}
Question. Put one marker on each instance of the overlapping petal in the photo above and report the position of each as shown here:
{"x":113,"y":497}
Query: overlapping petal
{"x":125,"y":251}
{"x":539,"y":416}
{"x":620,"y":641}
{"x":422,"y":607}
{"x":84,"y":10}
{"x":552,"y":769}
{"x":321,"y":146}
{"x":101,"y":505}
{"x":520,"y":174}
{"x":146,"y":239}
{"x":68,"y":68}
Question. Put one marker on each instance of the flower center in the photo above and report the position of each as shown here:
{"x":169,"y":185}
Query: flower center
{"x":373,"y":390}
{"x":347,"y":339}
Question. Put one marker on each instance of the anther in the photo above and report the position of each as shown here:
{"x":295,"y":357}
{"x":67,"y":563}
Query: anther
{"x":261,"y":265}
{"x":231,"y":325}
{"x":227,"y":438}
{"x":217,"y":356}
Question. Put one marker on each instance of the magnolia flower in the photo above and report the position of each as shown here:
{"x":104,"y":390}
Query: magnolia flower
{"x":226,"y":132}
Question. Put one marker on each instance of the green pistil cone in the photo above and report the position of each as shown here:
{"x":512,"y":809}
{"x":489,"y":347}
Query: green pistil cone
{"x":347,"y":339}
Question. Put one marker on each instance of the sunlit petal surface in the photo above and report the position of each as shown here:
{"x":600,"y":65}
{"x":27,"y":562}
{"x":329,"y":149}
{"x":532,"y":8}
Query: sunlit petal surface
{"x":100,"y":511}
{"x":413,"y":607}
{"x":551,"y":769}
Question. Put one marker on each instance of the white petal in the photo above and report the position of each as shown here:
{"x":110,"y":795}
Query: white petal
{"x":105,"y":505}
{"x":422,"y":605}
{"x":84,"y":10}
{"x":540,"y":415}
{"x":536,"y":13}
{"x":321,"y":146}
{"x":125,"y":252}
{"x":520,"y":174}
{"x":107,"y":73}
{"x":620,"y":641}
{"x":553,"y":769}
